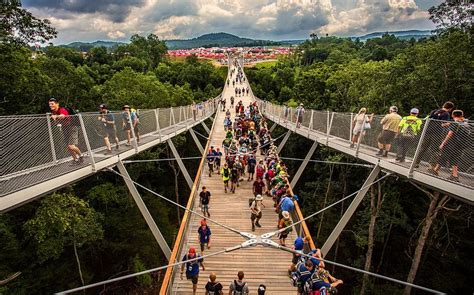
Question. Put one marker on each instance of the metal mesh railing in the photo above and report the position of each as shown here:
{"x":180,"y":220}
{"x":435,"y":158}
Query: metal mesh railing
{"x":35,"y":148}
{"x":421,"y":153}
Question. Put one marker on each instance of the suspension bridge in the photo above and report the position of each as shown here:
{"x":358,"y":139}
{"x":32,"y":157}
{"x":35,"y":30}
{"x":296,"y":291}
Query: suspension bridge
{"x":34,"y":163}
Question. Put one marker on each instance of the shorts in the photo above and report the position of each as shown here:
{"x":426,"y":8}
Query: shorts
{"x":110,"y":132}
{"x":283,"y":235}
{"x":203,"y":246}
{"x":226,"y":180}
{"x":205,"y":207}
{"x":193,"y":279}
{"x":255,"y":216}
{"x":386,"y":137}
{"x":71,"y":135}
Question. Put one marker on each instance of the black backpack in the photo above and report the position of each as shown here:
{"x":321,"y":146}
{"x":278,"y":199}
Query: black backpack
{"x":211,"y":288}
{"x":238,"y":288}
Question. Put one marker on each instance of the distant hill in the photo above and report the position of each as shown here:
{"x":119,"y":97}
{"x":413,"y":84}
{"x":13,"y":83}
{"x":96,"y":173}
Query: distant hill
{"x":417,"y":34}
{"x":217,"y":40}
{"x":86,"y":46}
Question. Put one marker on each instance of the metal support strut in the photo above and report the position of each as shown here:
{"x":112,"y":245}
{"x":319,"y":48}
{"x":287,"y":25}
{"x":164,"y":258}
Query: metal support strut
{"x":196,"y":140}
{"x":303,"y":165}
{"x":144,"y":210}
{"x":350,"y":211}
{"x":181,"y":164}
{"x":205,"y":127}
{"x":283,"y":142}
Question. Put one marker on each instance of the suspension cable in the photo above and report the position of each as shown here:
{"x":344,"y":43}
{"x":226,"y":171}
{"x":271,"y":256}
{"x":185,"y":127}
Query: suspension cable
{"x":159,"y":160}
{"x":330,"y":162}
{"x":330,"y":206}
{"x":149,"y":270}
{"x":177,"y":204}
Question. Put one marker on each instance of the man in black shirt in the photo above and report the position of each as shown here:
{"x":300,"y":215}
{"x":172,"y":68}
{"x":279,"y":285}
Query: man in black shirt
{"x":204,"y":199}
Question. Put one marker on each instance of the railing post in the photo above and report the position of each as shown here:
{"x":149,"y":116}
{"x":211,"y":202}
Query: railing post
{"x":51,"y":139}
{"x":350,"y":127}
{"x":418,"y":149}
{"x":329,"y":128}
{"x":362,"y":132}
{"x":180,"y":111}
{"x":171,"y":116}
{"x":157,"y":118}
{"x":86,"y":139}
{"x":132,"y":130}
{"x":310,"y":126}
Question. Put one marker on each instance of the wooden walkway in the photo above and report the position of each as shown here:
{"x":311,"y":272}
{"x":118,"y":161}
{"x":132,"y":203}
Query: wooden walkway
{"x":261,"y":265}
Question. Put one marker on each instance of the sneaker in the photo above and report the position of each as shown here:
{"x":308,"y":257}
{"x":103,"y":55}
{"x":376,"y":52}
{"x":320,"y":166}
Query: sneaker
{"x":74,"y":163}
{"x":81,"y":159}
{"x":108,"y":152}
{"x":257,"y":224}
{"x":385,"y":154}
{"x":117,"y":147}
{"x":379,"y":153}
{"x":352,"y":145}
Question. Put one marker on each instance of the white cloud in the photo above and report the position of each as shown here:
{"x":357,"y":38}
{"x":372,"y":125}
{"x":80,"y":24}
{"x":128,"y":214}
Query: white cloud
{"x":264,"y":19}
{"x":116,"y":34}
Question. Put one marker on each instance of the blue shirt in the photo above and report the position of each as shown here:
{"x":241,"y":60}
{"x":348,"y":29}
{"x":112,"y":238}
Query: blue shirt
{"x":204,"y":235}
{"x":304,"y":274}
{"x":287,"y":204}
{"x":192,"y":268}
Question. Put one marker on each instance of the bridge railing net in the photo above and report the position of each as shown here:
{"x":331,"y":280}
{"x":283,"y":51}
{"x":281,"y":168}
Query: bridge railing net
{"x":34,"y":148}
{"x":419,"y":152}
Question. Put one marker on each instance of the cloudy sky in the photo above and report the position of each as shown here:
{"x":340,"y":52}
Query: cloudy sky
{"x":90,"y":20}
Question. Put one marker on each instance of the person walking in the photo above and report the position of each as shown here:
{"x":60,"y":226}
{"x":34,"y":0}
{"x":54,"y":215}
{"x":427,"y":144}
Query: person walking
{"x":204,"y":200}
{"x":63,"y":118}
{"x":360,"y":124}
{"x":204,"y":236}
{"x":128,"y":120}
{"x":213,"y":287}
{"x":434,"y":134}
{"x":192,"y":267}
{"x":239,"y":287}
{"x":210,"y":161}
{"x":108,"y":124}
{"x":458,"y":139}
{"x":408,"y":129}
{"x":256,"y":211}
{"x":225,"y":172}
{"x":299,"y":115}
{"x":389,"y":131}
{"x":284,"y":224}
{"x":258,"y":187}
{"x":234,"y":177}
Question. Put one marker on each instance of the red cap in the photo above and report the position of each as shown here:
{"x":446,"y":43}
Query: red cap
{"x":192,"y":250}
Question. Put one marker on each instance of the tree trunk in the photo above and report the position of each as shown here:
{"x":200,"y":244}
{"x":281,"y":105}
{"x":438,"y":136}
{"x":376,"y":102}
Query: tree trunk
{"x":387,"y":238}
{"x":374,"y":211}
{"x":77,"y":259}
{"x":328,"y":189}
{"x":433,"y":209}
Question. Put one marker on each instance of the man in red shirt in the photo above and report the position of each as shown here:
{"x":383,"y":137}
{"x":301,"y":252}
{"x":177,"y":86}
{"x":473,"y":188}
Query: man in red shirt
{"x":258,"y":187}
{"x":62,"y":119}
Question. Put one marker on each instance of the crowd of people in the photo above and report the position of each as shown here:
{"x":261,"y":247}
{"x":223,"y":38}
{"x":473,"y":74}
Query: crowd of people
{"x":249,"y":156}
{"x":446,"y":137}
{"x":67,"y":120}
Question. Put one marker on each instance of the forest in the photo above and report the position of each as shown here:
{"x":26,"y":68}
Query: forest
{"x":92,"y":230}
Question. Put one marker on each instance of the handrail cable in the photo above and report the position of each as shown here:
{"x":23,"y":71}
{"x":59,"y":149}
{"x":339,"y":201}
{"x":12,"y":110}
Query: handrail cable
{"x":330,"y":206}
{"x":148,"y":270}
{"x":177,"y":204}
